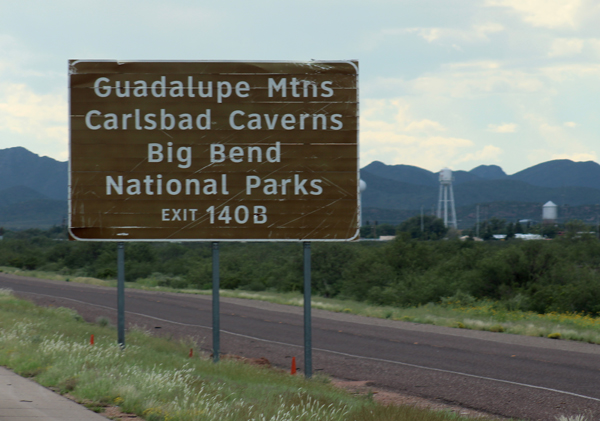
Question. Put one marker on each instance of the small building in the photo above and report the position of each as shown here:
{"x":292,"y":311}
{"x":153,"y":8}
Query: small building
{"x":529,"y":236}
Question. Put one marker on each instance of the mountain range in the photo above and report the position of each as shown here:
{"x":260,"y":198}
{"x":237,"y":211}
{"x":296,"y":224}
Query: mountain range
{"x":396,"y":192}
{"x":33,"y":191}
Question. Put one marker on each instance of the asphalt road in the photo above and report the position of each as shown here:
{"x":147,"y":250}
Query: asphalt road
{"x":507,"y":375}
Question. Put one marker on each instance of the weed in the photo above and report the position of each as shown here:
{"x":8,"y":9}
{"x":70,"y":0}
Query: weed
{"x":103,"y":321}
{"x":68,"y":384}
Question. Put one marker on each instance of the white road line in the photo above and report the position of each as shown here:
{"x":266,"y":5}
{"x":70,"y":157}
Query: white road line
{"x":339,"y":353}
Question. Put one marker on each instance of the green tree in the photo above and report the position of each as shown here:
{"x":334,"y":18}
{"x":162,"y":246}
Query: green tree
{"x":518,"y":228}
{"x":376,"y":230}
{"x":510,"y":231}
{"x":427,"y":227}
{"x":577,"y":229}
{"x":386,"y":229}
{"x":328,"y":263}
{"x":497,"y":225}
{"x":487,"y":233}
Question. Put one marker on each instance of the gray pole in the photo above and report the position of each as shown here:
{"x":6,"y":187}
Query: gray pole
{"x":215,"y":302}
{"x":307,"y":316}
{"x":121,"y":293}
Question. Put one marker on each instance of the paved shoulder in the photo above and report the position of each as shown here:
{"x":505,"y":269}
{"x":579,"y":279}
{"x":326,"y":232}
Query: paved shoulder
{"x":24,"y":400}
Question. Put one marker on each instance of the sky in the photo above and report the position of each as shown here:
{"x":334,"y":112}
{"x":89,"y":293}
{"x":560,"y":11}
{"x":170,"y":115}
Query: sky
{"x":443,"y":83}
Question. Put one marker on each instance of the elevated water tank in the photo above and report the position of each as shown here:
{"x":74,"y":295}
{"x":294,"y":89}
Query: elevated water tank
{"x":549,"y":212}
{"x":362,"y":185}
{"x":446,"y":176}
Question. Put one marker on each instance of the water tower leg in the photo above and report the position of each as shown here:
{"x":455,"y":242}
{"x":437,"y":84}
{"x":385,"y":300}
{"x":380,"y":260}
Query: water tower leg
{"x":453,"y":220}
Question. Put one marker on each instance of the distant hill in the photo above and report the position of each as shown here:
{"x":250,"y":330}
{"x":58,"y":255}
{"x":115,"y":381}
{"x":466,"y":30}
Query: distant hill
{"x":37,"y":213}
{"x":33,"y":190}
{"x":489,"y":172}
{"x":415,"y":175}
{"x":19,"y":167}
{"x":396,"y":192}
{"x":557,"y":173}
{"x":404,"y":173}
{"x":19,"y":194}
{"x":561,"y":173}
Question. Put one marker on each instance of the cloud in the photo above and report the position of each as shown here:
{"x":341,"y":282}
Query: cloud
{"x":489,"y":153}
{"x":577,"y":157}
{"x":544,"y":13}
{"x":13,"y":56}
{"x":391,"y":134}
{"x":594,"y":45}
{"x":461,"y":98}
{"x":559,"y":141}
{"x":573,"y":71}
{"x":394,"y":115}
{"x":476,"y":33}
{"x":463,"y":81}
{"x":424,"y":126}
{"x":586,"y":48}
{"x":445,"y":35}
{"x":43,"y":117}
{"x":478,"y":65}
{"x":431,"y":152}
{"x":502,"y":128}
{"x":566,"y":47}
{"x":184,"y":15}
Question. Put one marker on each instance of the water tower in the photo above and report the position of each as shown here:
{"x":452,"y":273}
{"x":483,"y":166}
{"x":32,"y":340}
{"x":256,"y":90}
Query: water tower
{"x":446,"y":199}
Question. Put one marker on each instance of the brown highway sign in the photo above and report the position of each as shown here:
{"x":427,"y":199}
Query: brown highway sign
{"x":213,"y":151}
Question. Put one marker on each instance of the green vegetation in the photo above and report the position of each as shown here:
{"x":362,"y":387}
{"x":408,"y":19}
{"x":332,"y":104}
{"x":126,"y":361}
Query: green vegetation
{"x":460,"y":311}
{"x":538,"y":288}
{"x":529,"y":276}
{"x":155,"y":379}
{"x":425,"y":227}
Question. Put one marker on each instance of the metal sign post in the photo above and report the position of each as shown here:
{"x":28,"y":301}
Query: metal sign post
{"x":121,"y":293}
{"x":215,"y":302}
{"x":307,"y":313}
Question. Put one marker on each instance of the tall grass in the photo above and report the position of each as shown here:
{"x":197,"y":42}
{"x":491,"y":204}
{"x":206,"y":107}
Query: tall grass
{"x":155,"y":379}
